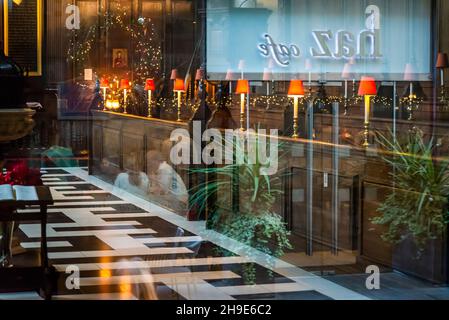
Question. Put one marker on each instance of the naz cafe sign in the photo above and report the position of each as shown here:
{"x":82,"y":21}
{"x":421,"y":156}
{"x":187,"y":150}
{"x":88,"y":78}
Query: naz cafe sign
{"x":319,"y":37}
{"x":330,"y":44}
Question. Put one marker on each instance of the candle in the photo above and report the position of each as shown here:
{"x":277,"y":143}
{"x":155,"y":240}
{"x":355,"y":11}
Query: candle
{"x":242,"y":103}
{"x":310,"y":78}
{"x":411,"y":89}
{"x":442,"y":77}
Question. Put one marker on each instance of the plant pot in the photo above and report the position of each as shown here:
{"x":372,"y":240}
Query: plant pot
{"x":429,"y":264}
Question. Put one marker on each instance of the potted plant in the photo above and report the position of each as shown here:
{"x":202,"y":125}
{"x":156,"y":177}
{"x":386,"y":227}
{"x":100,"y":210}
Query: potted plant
{"x":252,"y":221}
{"x":416,"y":211}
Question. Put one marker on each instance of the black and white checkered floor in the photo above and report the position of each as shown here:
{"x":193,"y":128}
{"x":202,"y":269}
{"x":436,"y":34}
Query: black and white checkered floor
{"x":127,"y":248}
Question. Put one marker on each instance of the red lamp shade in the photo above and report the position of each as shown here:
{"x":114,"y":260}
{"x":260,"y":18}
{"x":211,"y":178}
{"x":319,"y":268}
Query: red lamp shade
{"x":199,"y":74}
{"x":242,"y":87}
{"x":174,"y":74}
{"x":179,"y":85}
{"x":367,"y":87}
{"x":104,"y":83}
{"x":442,"y":61}
{"x":149,"y":85}
{"x":296,"y":88}
{"x":125,"y":84}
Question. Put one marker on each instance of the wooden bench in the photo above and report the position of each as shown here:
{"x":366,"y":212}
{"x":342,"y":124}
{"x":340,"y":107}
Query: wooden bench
{"x":12,"y":278}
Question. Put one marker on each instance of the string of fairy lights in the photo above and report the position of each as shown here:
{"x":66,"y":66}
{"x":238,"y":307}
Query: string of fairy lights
{"x":147,"y":57}
{"x":147,"y":50}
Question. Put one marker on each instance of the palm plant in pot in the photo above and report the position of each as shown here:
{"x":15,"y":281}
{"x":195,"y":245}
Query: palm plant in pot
{"x":242,"y":207}
{"x":417,"y":209}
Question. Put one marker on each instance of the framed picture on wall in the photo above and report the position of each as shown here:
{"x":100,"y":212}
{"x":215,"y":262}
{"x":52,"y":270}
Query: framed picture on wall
{"x":119,"y":58}
{"x":22,"y":33}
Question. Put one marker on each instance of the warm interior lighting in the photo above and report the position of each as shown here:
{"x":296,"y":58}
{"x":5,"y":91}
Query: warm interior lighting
{"x":125,"y":84}
{"x":105,"y":273}
{"x":179,"y":85}
{"x":104,"y":83}
{"x":149,"y":85}
{"x":296,"y":91}
{"x":112,"y":105}
{"x":179,"y":88}
{"x":367,"y":89}
{"x":242,"y":89}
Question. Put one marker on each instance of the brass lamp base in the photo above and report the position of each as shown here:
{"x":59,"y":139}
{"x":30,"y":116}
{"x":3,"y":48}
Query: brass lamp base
{"x":366,"y":136}
{"x":242,"y":121}
{"x":295,"y":129}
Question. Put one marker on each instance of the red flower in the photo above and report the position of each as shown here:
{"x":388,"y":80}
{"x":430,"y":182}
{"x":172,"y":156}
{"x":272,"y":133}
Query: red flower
{"x":21,"y":174}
